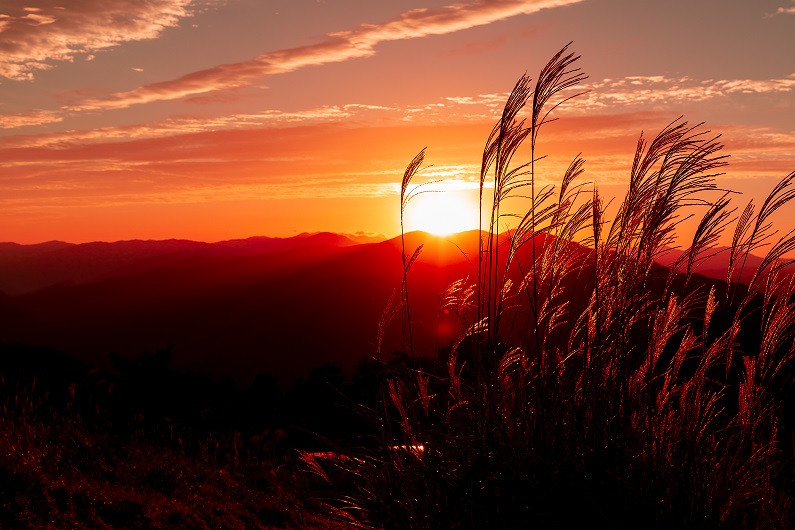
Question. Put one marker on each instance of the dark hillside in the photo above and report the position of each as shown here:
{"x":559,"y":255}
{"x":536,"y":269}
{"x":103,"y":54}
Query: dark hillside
{"x":273,"y":305}
{"x":283,"y":311}
{"x":28,"y":268}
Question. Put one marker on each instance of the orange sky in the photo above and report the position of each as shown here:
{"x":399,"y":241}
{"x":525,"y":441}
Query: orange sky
{"x":218,"y":119}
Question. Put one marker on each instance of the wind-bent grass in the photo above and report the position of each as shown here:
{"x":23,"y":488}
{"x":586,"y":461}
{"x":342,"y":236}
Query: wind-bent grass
{"x":592,"y":386}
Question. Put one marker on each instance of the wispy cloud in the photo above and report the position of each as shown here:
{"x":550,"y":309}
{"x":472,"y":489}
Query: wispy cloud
{"x":785,"y":10}
{"x":35,"y":37}
{"x":40,"y":117}
{"x":126,"y":166}
{"x":336,"y":47}
{"x":662,"y":90}
{"x":64,"y":191}
{"x":179,"y":125}
{"x":619,"y":95}
{"x":629,"y":94}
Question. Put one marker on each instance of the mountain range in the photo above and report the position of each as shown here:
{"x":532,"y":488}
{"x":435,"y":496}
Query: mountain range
{"x":234,"y":308}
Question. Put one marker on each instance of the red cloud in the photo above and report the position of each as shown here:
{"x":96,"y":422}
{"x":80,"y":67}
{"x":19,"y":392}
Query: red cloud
{"x":337,"y":47}
{"x":33,"y":37}
{"x":39,"y":117}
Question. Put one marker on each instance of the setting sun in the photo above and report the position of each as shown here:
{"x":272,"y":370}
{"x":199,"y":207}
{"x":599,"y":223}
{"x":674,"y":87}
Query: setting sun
{"x":442,"y":213}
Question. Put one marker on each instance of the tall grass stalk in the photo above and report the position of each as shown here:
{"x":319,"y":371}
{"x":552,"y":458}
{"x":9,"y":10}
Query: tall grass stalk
{"x":407,"y":193}
{"x":591,"y":385}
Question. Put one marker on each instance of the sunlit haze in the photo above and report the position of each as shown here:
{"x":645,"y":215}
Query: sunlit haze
{"x":220,"y":119}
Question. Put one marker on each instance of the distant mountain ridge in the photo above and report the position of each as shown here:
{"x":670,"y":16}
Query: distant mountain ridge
{"x":229,"y":308}
{"x":715,"y":264}
{"x":28,"y":268}
{"x":233,"y":308}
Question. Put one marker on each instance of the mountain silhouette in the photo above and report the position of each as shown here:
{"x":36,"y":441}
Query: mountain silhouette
{"x":28,"y":268}
{"x":233,"y":308}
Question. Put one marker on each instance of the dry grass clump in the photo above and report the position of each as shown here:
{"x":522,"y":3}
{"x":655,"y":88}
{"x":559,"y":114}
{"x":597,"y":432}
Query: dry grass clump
{"x":592,"y":386}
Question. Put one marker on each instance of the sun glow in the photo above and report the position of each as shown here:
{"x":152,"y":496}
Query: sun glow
{"x":442,"y":213}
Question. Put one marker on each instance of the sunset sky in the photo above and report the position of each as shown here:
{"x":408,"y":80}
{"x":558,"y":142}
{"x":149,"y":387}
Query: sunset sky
{"x":219,"y":119}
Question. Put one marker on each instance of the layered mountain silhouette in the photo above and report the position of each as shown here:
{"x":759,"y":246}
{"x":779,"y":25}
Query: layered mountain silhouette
{"x":27,"y":268}
{"x":716,"y":262}
{"x":233,"y":308}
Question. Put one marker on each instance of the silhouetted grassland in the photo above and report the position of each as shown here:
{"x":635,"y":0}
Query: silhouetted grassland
{"x":590,"y":387}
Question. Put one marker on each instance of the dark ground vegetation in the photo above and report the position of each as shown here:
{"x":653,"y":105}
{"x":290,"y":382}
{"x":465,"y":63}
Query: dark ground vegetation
{"x":145,"y":446}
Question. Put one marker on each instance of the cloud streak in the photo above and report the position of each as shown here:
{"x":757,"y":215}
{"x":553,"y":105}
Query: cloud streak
{"x":336,"y":47}
{"x":126,"y":167}
{"x":39,"y":117}
{"x":667,"y":91}
{"x":33,"y":38}
{"x":178,"y":125}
